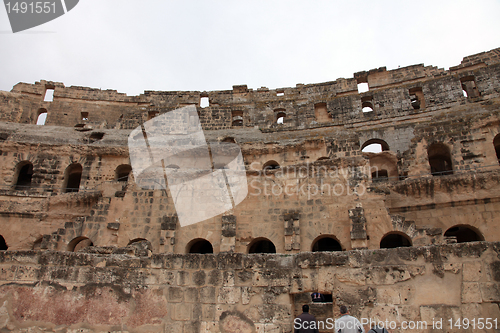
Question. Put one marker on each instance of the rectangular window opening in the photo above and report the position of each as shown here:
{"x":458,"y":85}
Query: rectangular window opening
{"x":417,"y":98}
{"x":280,"y":93}
{"x":204,"y":102}
{"x":85,"y":116}
{"x":49,"y":95}
{"x":469,"y":87}
{"x":363,"y":87}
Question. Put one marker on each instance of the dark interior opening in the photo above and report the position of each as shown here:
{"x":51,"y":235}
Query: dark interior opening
{"x":327,"y":244}
{"x":3,"y":244}
{"x":74,"y":176}
{"x":24,"y":177}
{"x":392,"y":241}
{"x":380,"y":175}
{"x":122,"y":172}
{"x":440,"y":160}
{"x":463,"y":234}
{"x":202,"y":246}
{"x":262,"y":246}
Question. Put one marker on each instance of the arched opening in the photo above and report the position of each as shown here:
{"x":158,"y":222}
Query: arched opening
{"x":42,"y":117}
{"x":464,"y":234}
{"x":3,"y":244}
{"x":374,"y":146}
{"x":395,"y":239}
{"x":72,"y":178}
{"x":271,"y":165}
{"x":323,"y":158}
{"x":280,"y":116}
{"x":24,"y":175}
{"x":326,"y":244}
{"x":237,"y":118}
{"x":496,"y":143}
{"x":440,"y":159}
{"x":199,"y":245}
{"x":122,"y":172}
{"x":229,"y":139}
{"x":367,"y":106}
{"x":261,"y":245}
{"x":79,"y":243}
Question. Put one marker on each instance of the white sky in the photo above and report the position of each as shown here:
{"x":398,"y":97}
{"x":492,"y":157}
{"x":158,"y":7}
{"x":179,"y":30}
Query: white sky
{"x":132,"y":46}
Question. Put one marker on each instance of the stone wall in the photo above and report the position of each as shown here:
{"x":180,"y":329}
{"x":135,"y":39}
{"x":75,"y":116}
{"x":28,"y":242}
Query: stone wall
{"x":111,"y":291}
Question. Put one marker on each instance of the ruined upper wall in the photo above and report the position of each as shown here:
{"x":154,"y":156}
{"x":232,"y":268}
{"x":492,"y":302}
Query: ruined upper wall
{"x":392,"y":94}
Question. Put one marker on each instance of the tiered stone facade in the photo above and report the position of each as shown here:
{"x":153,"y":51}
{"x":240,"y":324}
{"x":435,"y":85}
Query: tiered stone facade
{"x":66,"y":187}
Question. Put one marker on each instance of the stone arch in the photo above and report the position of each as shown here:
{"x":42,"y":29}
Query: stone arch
{"x":496,"y":144}
{"x":122,"y":172}
{"x":79,"y":243}
{"x":464,"y":233}
{"x":326,"y":243}
{"x":439,"y":156}
{"x":41,"y":117}
{"x":72,"y":178}
{"x":3,"y":244}
{"x":383,"y":145}
{"x":23,"y":175}
{"x":271,"y":165}
{"x":237,"y":118}
{"x":395,"y":239}
{"x":383,"y":166}
{"x":199,"y":245}
{"x":280,"y":115}
{"x":261,"y":245}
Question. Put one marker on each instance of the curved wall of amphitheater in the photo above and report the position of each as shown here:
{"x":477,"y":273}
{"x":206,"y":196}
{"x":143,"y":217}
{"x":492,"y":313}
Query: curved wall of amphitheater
{"x":405,"y":234}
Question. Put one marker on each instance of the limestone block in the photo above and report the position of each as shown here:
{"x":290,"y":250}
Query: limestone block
{"x":182,"y":311}
{"x":207,"y":295}
{"x":471,"y":292}
{"x":175,"y":294}
{"x":472,"y":271}
{"x":209,"y":327}
{"x":229,"y":295}
{"x":490,"y":291}
{"x":326,"y":279}
{"x":388,"y":295}
{"x":356,"y":276}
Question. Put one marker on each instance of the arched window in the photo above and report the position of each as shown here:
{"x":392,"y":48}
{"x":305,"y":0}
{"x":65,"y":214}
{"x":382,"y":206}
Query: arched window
{"x":374,"y":146}
{"x":24,"y":175}
{"x":395,"y":239}
{"x":326,"y":244}
{"x":261,"y":245}
{"x":280,"y":115}
{"x":271,"y":165}
{"x":72,"y":178}
{"x":237,"y":118}
{"x":79,"y":243}
{"x":199,"y":245}
{"x":367,"y":104}
{"x":496,"y":143}
{"x":440,"y":159}
{"x":3,"y":244}
{"x":42,"y":117}
{"x":122,"y":172}
{"x":463,"y":234}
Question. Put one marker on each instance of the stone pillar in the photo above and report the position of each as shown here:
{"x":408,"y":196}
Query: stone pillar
{"x":228,"y":234}
{"x":292,"y":232}
{"x":167,"y":233}
{"x":358,"y":228}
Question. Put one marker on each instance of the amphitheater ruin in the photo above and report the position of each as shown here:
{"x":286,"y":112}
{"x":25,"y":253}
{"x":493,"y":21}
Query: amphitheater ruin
{"x":381,"y":191}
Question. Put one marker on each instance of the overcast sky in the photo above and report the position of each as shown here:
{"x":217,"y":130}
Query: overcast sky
{"x":132,"y":46}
